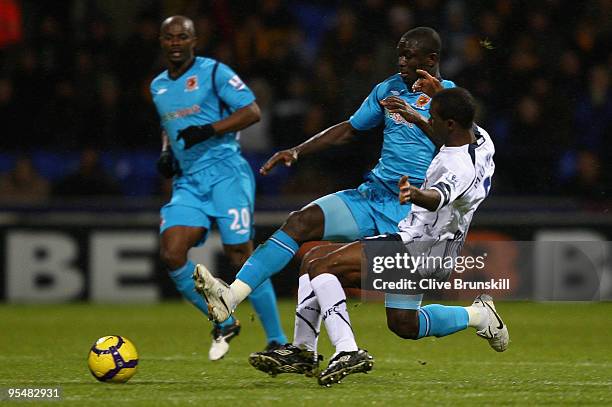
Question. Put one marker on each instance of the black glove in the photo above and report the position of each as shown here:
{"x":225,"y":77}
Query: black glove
{"x":196,"y":134}
{"x":167,"y":165}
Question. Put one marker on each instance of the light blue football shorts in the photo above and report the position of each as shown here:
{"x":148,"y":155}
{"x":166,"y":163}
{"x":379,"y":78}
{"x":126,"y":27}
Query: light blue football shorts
{"x":223,"y":193}
{"x":371,"y":209}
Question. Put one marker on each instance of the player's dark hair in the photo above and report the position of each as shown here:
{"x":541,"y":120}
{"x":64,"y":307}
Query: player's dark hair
{"x":456,"y":104}
{"x":427,"y":39}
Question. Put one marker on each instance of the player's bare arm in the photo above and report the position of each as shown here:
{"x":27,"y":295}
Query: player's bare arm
{"x":238,"y":120}
{"x":335,"y":135}
{"x":427,"y":83}
{"x":398,"y":105}
{"x":427,"y":198}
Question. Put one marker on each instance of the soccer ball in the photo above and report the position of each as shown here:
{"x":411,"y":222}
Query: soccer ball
{"x":113,"y":359}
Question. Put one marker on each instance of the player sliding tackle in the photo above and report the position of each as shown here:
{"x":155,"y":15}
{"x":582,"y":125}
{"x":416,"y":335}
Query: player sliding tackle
{"x":372,"y":208}
{"x":457,"y":181}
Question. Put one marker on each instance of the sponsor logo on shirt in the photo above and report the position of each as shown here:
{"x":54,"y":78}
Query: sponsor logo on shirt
{"x":398,"y":119}
{"x":180,"y":113}
{"x":236,"y":82}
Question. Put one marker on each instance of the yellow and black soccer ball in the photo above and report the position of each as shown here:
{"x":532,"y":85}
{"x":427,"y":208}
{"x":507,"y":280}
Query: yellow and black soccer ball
{"x":113,"y":359}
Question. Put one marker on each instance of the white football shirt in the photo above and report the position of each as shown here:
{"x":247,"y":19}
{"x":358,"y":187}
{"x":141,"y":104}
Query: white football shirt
{"x":462,"y":175}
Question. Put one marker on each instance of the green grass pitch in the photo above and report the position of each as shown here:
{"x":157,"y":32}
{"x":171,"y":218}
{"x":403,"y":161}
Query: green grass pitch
{"x":561,"y":353}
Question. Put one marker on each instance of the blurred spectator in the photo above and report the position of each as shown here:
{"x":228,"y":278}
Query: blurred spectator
{"x":8,"y":113}
{"x":529,"y":132}
{"x":62,"y":115}
{"x":257,"y":137}
{"x":456,"y":33}
{"x":474,"y":73}
{"x":344,"y":42}
{"x":588,"y":182}
{"x":105,"y":122}
{"x":31,"y":94}
{"x":53,"y":47}
{"x":288,"y":114}
{"x":569,"y":76}
{"x":23,"y":184}
{"x":594,"y":110}
{"x":138,"y":55}
{"x":10,"y":23}
{"x":100,"y":44}
{"x":90,"y":179}
{"x":399,"y":20}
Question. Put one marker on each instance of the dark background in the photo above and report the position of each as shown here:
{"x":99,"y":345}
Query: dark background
{"x":77,"y":119}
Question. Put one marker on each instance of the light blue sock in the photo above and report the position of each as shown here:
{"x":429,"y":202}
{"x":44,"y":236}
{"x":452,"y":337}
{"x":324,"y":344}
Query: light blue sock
{"x":440,"y":320}
{"x":263,"y":299}
{"x":186,"y":286}
{"x":268,"y":259}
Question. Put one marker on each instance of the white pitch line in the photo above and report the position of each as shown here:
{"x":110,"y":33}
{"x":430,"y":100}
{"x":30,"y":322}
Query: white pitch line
{"x":519,"y":363}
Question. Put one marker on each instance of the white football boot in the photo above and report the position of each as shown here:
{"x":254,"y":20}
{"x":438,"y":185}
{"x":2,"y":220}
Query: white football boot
{"x":496,"y":332}
{"x":216,"y":292}
{"x":221,"y":338}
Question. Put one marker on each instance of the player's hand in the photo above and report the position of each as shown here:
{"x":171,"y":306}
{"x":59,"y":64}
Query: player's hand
{"x":287,"y":157}
{"x":405,"y":190}
{"x":398,"y":105}
{"x":193,"y":135}
{"x":426,"y":83}
{"x":167,"y":165}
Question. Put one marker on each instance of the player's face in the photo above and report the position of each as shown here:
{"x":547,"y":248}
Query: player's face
{"x":439,"y":125}
{"x":410,"y":58}
{"x":178,"y":42}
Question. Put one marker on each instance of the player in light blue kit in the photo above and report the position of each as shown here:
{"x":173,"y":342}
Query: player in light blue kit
{"x":371,"y":209}
{"x":202,"y":104}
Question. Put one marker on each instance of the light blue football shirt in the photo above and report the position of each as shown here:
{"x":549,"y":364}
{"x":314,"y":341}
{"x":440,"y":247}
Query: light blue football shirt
{"x":406,"y":150}
{"x":190,"y":100}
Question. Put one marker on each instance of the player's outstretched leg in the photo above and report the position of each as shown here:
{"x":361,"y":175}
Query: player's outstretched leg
{"x":216,"y":292}
{"x":410,"y":322}
{"x":268,"y":259}
{"x":494,"y":330}
{"x":221,"y":333}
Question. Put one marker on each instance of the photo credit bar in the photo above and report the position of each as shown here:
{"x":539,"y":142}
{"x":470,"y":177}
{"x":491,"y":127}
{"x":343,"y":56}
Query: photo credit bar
{"x":535,"y":270}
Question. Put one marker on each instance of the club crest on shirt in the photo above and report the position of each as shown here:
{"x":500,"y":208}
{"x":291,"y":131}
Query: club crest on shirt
{"x":191,"y":83}
{"x":422,"y":102}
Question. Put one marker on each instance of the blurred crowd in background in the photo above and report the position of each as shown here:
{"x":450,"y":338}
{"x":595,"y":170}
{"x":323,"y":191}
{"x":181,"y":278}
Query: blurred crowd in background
{"x":77,"y":117}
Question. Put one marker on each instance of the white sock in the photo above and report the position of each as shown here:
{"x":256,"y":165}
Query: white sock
{"x":333,"y":309}
{"x":307,"y":316}
{"x":240,"y":290}
{"x":478,"y":317}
